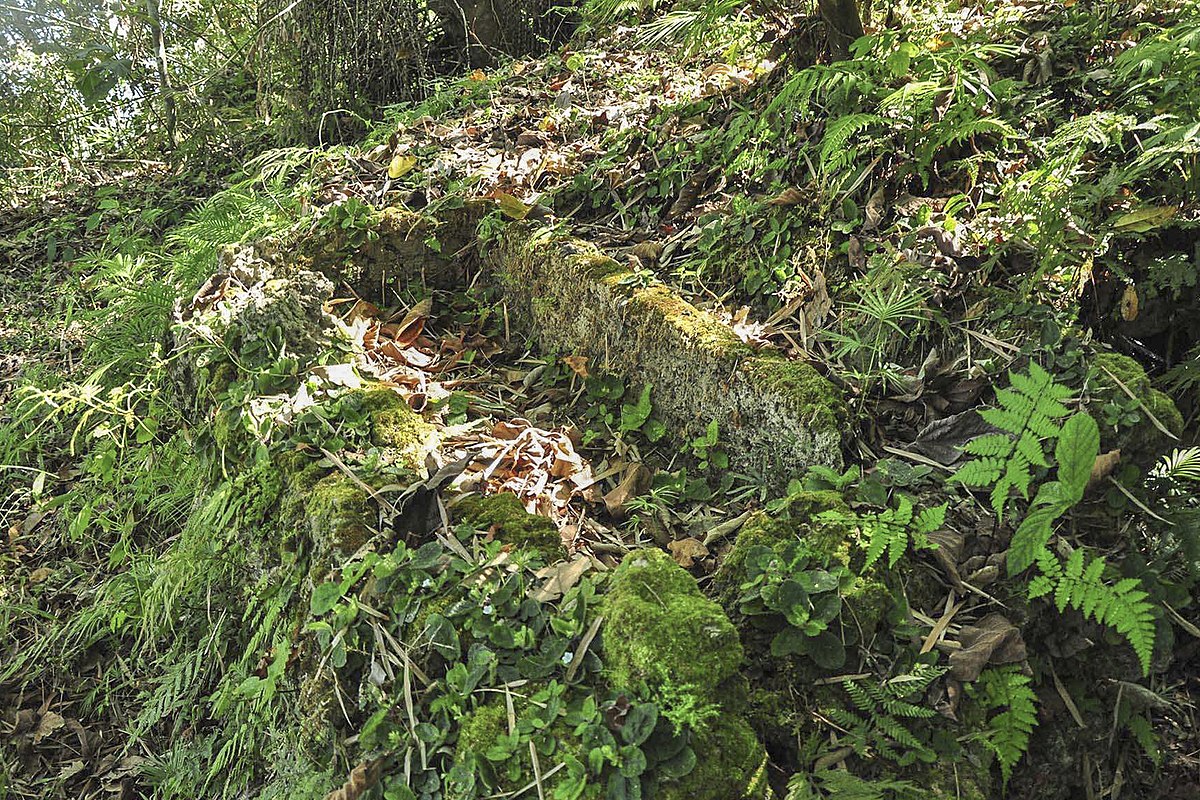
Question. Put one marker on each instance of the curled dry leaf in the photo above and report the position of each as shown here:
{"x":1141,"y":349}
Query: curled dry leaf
{"x":992,"y":640}
{"x":1104,"y":466}
{"x":687,"y":551}
{"x":635,"y":482}
{"x":361,"y":779}
{"x":560,"y":578}
{"x":577,"y":364}
{"x":48,"y":724}
{"x":790,"y":196}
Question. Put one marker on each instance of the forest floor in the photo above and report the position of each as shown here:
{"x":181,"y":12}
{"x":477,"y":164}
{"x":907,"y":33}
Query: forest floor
{"x":303,"y":498}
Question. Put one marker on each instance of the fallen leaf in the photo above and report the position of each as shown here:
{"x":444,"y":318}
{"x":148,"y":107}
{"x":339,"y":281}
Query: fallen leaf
{"x":405,"y":332}
{"x":790,"y":196}
{"x":1104,"y":466}
{"x":686,"y":551}
{"x":401,"y":165}
{"x":510,"y":206}
{"x":992,"y":640}
{"x":1129,"y":304}
{"x":1144,"y":219}
{"x":578,"y":365}
{"x":873,"y":212}
{"x":48,"y":724}
{"x":560,"y":578}
{"x":635,"y":482}
{"x":339,"y":375}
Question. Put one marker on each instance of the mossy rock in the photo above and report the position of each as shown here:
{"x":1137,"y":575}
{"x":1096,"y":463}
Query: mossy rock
{"x":1141,"y":442}
{"x":797,"y":520}
{"x":504,"y":516}
{"x":731,"y":764}
{"x":776,"y":416}
{"x":339,"y":515}
{"x":662,"y":633}
{"x":395,"y":425}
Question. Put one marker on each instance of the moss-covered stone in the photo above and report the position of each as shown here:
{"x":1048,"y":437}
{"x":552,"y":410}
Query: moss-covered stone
{"x":731,"y":764}
{"x":661,"y":632}
{"x":776,"y":416}
{"x":803,"y":386}
{"x":504,"y":516}
{"x":395,"y":425}
{"x":798,"y":519}
{"x":1141,"y":442}
{"x":339,"y":514}
{"x":867,"y":599}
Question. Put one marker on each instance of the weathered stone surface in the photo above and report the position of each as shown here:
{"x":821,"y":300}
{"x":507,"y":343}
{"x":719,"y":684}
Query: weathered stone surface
{"x":250,"y":315}
{"x":776,"y":416}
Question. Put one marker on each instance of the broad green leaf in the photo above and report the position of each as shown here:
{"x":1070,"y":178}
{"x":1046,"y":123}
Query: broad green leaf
{"x":324,"y":598}
{"x":634,"y":415}
{"x":1144,"y":219}
{"x":1031,"y":537}
{"x":639,"y":723}
{"x":1076,"y":451}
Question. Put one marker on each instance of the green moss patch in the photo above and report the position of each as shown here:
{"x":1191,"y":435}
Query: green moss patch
{"x":1140,"y":441}
{"x":663,"y":633}
{"x":339,"y":514}
{"x":506,"y":519}
{"x":395,"y":425}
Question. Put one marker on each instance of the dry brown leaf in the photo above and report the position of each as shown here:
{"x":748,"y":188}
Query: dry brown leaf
{"x":686,"y":551}
{"x":361,"y":779}
{"x":992,"y":640}
{"x":48,"y":724}
{"x":578,"y":365}
{"x":1104,"y":466}
{"x":790,"y":196}
{"x":1129,"y":304}
{"x":874,"y":211}
{"x":561,"y":577}
{"x":408,"y":329}
{"x":636,"y":481}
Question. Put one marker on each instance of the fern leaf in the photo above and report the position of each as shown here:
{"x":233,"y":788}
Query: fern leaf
{"x":1008,"y":736}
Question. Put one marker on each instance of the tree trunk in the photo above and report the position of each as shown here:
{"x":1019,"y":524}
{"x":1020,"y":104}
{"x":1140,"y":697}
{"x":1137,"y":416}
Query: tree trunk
{"x":842,"y":25}
{"x":153,"y":13}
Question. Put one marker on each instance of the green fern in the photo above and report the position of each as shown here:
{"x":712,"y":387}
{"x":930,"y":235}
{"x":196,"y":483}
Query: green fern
{"x":836,"y":152}
{"x":836,"y":784}
{"x":877,"y":721}
{"x":892,"y":530}
{"x":1122,"y":606}
{"x":1075,"y":452}
{"x":1182,"y":465}
{"x":1027,"y":416}
{"x":1008,"y":732}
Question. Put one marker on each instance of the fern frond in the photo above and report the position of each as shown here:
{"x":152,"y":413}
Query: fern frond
{"x":1008,"y":732}
{"x":835,"y":144}
{"x":892,"y":531}
{"x":1027,"y":413}
{"x":1122,"y":606}
{"x":1183,"y":464}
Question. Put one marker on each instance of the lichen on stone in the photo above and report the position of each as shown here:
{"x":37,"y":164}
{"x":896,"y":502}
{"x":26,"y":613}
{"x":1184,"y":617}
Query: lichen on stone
{"x":776,"y":416}
{"x":504,"y":517}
